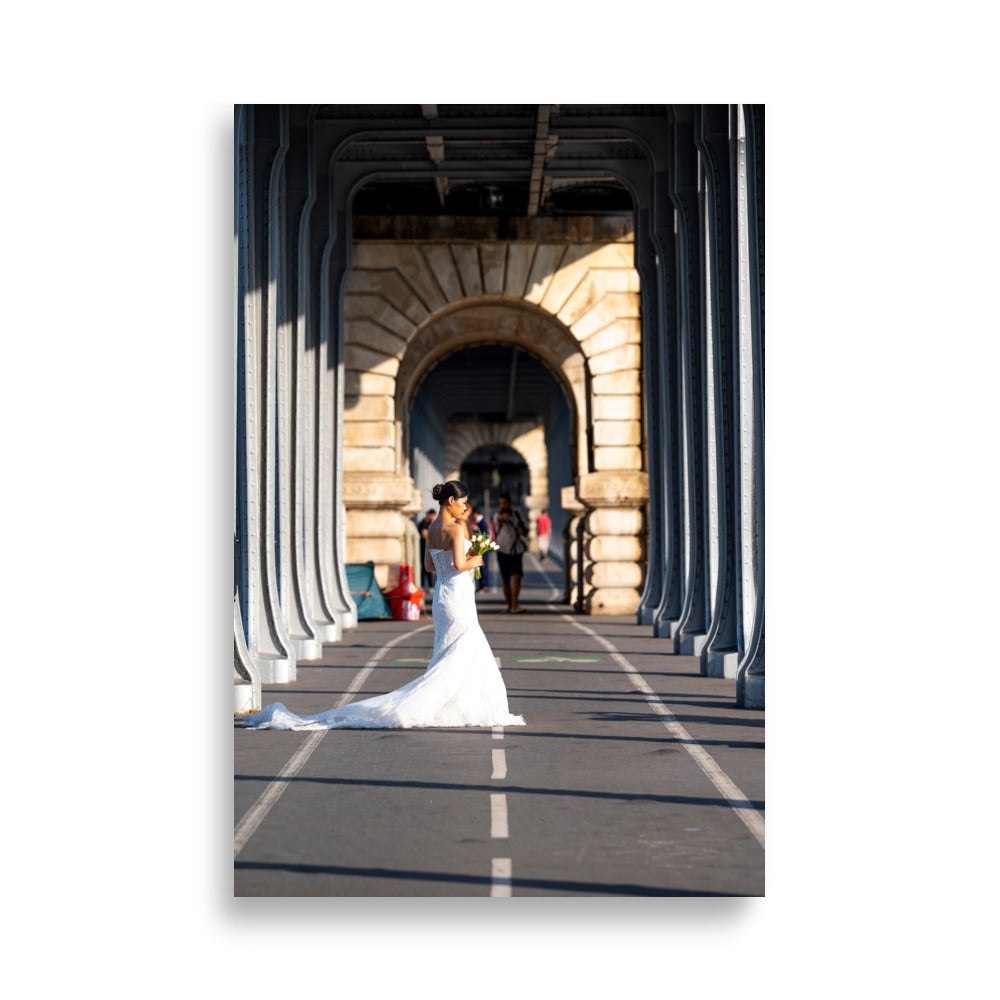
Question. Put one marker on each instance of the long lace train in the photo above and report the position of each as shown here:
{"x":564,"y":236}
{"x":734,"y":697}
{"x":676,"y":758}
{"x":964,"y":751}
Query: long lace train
{"x":461,"y":686}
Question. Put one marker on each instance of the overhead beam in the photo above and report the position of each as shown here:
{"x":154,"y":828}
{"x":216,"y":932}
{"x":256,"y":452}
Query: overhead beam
{"x":435,"y":147}
{"x":542,"y":151}
{"x":558,"y":183}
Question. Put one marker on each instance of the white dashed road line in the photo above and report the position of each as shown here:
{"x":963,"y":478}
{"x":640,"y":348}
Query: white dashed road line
{"x":500,"y":874}
{"x":498,"y":816}
{"x":501,"y":877}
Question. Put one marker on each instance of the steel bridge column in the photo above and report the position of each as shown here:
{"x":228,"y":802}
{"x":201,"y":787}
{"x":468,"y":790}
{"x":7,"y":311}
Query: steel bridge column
{"x":311,"y":233}
{"x":669,"y":393}
{"x":691,"y":628}
{"x":324,"y":388}
{"x":720,"y":656}
{"x":335,"y":278}
{"x":246,"y":674}
{"x":750,"y":178}
{"x":647,"y":263}
{"x":261,"y":156}
{"x":303,"y":630}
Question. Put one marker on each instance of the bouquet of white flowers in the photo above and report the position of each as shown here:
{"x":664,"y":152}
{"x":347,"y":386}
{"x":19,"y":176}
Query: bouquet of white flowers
{"x":481,"y":544}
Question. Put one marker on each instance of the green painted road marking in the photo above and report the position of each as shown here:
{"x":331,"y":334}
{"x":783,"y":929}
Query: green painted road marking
{"x":559,"y":659}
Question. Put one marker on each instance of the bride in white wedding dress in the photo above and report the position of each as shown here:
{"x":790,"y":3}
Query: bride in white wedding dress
{"x":462,"y":685}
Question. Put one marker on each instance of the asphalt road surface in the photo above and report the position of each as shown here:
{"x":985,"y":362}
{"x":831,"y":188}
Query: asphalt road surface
{"x":634,"y":775}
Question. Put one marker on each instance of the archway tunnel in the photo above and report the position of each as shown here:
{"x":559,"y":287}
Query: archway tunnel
{"x":392,"y":261}
{"x":498,"y":415}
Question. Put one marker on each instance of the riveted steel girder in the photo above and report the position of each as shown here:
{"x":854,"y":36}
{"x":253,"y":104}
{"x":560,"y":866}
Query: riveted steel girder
{"x":693,"y":624}
{"x":750,"y":673}
{"x":720,"y":655}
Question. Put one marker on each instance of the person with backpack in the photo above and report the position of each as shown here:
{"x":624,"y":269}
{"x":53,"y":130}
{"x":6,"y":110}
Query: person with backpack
{"x":512,"y":537}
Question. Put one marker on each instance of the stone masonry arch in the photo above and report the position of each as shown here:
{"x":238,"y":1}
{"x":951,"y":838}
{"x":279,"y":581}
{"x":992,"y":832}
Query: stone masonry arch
{"x":465,"y":434}
{"x":525,"y":437}
{"x":570,"y":299}
{"x":495,"y":321}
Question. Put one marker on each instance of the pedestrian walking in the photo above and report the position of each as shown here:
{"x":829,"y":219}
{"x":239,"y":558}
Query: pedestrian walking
{"x":511,"y":536}
{"x":544,"y":525}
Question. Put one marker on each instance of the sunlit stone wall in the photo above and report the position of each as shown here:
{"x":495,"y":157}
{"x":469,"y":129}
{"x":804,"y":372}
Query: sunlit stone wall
{"x":409,"y":273}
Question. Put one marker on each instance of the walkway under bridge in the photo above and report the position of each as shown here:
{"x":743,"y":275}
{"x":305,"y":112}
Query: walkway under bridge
{"x":634,"y":776}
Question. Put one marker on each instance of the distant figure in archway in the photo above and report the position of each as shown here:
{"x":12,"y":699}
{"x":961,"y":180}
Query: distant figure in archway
{"x":544,"y":533}
{"x":511,"y":532}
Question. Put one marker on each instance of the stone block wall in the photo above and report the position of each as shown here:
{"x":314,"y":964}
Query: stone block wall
{"x":566,"y":290}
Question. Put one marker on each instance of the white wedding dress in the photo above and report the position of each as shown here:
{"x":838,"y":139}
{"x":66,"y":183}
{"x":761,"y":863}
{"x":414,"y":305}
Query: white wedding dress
{"x":462,"y":685}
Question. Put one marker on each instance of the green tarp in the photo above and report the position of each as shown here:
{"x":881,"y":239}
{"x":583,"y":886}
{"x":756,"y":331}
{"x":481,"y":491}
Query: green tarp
{"x":365,"y":592}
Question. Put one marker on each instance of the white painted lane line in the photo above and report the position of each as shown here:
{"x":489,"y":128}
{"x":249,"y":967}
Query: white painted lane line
{"x":741,"y":805}
{"x":499,"y":765}
{"x":498,"y":816}
{"x":556,"y":592}
{"x":254,"y":816}
{"x":501,"y":877}
{"x":498,"y":732}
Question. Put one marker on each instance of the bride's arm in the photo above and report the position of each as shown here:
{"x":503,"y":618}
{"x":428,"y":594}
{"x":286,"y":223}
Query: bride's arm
{"x":459,"y":542}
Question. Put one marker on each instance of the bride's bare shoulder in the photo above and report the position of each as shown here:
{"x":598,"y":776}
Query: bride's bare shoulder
{"x":452,"y":534}
{"x":434,"y":536}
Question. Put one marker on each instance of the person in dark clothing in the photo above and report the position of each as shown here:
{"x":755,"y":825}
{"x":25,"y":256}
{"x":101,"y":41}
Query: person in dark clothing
{"x":511,"y":536}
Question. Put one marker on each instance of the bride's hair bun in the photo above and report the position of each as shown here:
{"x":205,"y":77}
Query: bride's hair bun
{"x":444,"y":492}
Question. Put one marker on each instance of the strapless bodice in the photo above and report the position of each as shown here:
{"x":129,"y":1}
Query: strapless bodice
{"x":444,"y":562}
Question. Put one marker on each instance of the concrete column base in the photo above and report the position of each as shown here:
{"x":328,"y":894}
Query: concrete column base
{"x":349,"y":619}
{"x":328,"y":632}
{"x":242,"y":699}
{"x":674,"y":625}
{"x":663,"y":629}
{"x":753,"y":692}
{"x":275,"y":669}
{"x":690,"y":645}
{"x":722,"y":664}
{"x":307,"y":649}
